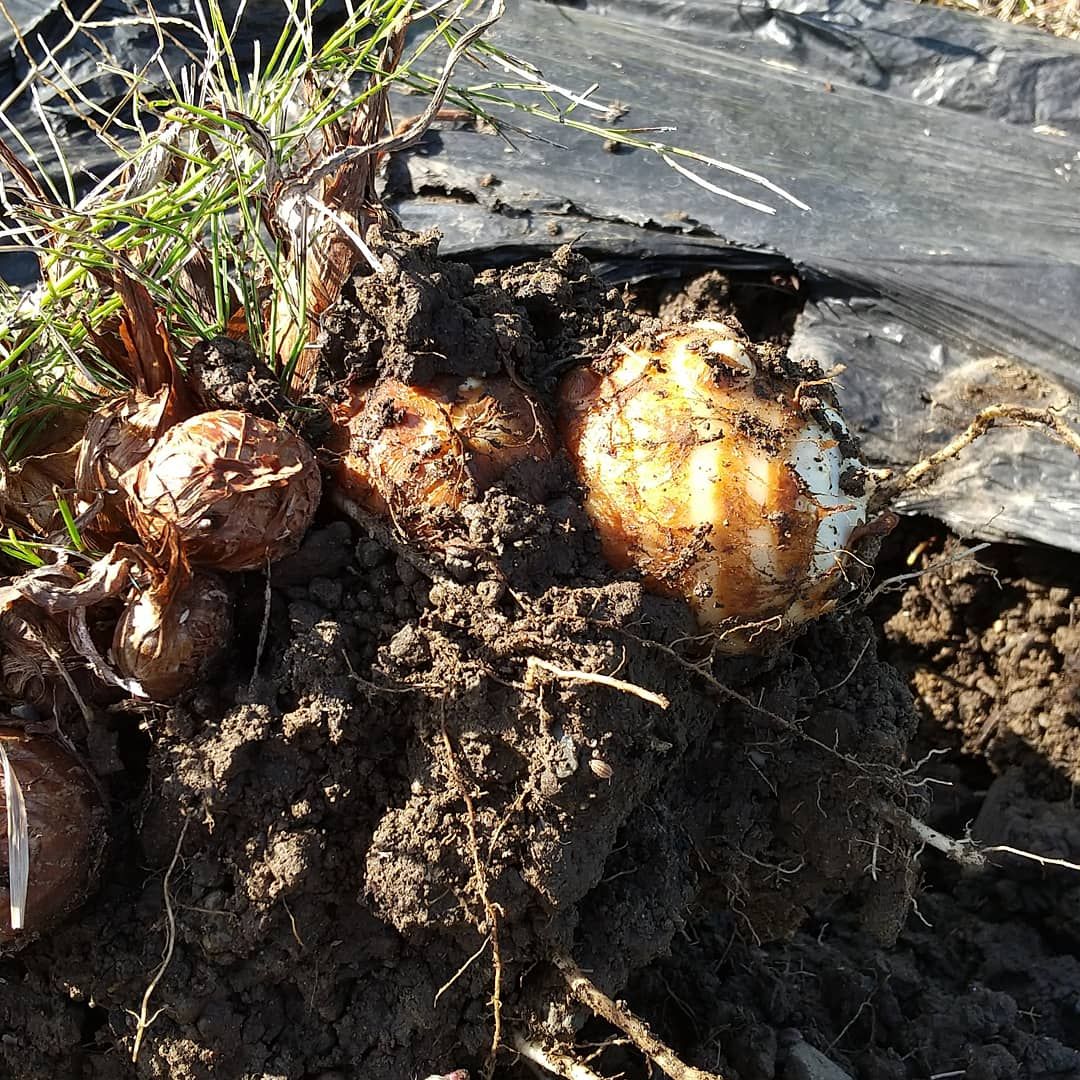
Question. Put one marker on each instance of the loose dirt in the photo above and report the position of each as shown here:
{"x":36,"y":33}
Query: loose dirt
{"x":386,"y":797}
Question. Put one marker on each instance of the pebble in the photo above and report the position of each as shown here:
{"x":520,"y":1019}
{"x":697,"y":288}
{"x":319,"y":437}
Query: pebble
{"x":806,"y":1063}
{"x":408,"y":645}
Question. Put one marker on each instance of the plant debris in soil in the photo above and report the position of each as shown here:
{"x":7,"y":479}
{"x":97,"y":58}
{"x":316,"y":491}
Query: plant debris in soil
{"x":400,"y":805}
{"x":403,"y":803}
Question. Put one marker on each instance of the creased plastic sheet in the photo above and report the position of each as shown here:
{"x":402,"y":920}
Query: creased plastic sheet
{"x":938,"y":155}
{"x":937,"y":152}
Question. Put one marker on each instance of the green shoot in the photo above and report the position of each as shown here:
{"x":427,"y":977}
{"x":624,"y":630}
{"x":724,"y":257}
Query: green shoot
{"x":70,"y":524}
{"x":23,"y":551}
{"x":215,"y":202}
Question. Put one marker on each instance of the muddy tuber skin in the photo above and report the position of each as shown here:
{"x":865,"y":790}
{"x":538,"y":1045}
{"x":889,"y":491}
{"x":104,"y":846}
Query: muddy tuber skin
{"x":411,"y":453}
{"x":724,"y":474}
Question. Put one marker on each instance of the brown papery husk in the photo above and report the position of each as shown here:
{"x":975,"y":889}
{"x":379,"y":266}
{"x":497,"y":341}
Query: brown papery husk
{"x":118,"y":436}
{"x":123,"y":432}
{"x":29,"y":487}
{"x":59,"y":588}
{"x":325,"y":255}
{"x":411,"y":452}
{"x":136,"y":343}
{"x":40,"y":615}
{"x":170,"y":635}
{"x":33,"y":643}
{"x":29,"y":490}
{"x":235,"y":491}
{"x":67,"y":833}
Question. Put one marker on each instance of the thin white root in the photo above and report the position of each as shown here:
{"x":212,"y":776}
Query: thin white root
{"x":264,"y":630}
{"x":637,"y":1031}
{"x":967,"y":853}
{"x":535,"y":664}
{"x":1043,"y":860}
{"x":990,"y":417}
{"x":557,"y":1062}
{"x":492,"y":912}
{"x":461,"y":970}
{"x":897,"y":581}
{"x":143,"y":1020}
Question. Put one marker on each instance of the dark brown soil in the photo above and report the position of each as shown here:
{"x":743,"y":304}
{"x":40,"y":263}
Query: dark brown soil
{"x":992,"y":647}
{"x":984,"y":979}
{"x":731,"y":865}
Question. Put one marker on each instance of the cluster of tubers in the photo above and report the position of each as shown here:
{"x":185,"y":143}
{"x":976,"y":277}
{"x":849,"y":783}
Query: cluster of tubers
{"x":722,"y":474}
{"x":716,"y":470}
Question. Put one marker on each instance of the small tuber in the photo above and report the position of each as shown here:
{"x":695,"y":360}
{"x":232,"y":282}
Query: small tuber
{"x":67,"y":832}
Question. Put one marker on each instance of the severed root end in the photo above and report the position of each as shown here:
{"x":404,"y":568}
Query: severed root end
{"x":554,"y":1060}
{"x":892,"y":487}
{"x":637,"y":1031}
{"x":966,"y":852}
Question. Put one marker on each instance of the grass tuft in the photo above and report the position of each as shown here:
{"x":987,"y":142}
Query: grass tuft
{"x":232,"y":173}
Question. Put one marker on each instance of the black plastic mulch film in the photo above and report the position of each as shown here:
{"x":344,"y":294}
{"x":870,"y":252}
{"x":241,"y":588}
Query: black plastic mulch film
{"x":938,"y":152}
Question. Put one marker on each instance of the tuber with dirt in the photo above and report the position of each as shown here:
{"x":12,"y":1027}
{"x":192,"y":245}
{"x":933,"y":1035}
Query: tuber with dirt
{"x":449,"y":676}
